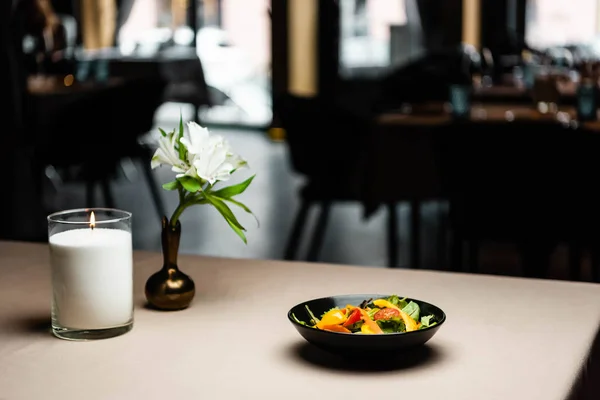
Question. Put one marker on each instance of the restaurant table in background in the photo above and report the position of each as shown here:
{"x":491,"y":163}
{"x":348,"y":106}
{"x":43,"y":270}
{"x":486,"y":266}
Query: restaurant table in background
{"x":410,"y":148}
{"x":521,"y":95}
{"x":51,"y":94}
{"x":485,"y":113}
{"x":505,"y":338}
{"x":179,"y":66}
{"x":174,"y":63}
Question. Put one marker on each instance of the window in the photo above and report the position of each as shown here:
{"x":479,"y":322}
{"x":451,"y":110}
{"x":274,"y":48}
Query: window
{"x":369,"y":30}
{"x":558,"y":23}
{"x":147,"y":23}
{"x":233,"y":43}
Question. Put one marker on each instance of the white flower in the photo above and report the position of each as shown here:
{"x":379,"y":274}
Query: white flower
{"x":199,"y":139}
{"x":236,"y":161}
{"x":208,"y":157}
{"x":212,"y":164}
{"x":167,"y":154}
{"x":196,"y":139}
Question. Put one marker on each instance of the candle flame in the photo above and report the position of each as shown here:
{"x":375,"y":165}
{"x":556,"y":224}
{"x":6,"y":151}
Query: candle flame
{"x":92,"y":220}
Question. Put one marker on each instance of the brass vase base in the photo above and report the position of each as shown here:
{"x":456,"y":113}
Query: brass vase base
{"x":170,"y":289}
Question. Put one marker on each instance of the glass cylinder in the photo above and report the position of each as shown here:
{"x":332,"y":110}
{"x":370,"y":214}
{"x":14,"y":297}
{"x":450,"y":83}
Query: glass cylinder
{"x":91,"y":260}
{"x":460,"y":100}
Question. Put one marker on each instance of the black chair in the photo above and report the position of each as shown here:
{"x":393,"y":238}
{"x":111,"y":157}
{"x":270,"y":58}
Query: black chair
{"x":328,"y":146}
{"x":187,"y":84}
{"x":526,"y":183}
{"x":401,"y":168}
{"x":583,"y":222}
{"x":98,"y":131}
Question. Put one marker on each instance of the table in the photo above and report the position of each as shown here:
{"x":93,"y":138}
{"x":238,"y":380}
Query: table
{"x":52,"y":94}
{"x":179,"y":66}
{"x":515,"y":93}
{"x":175,"y":63}
{"x":505,"y":338}
{"x":487,"y":113}
{"x":59,"y":85}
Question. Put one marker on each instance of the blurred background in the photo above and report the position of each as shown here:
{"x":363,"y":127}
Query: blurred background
{"x":454,"y":135}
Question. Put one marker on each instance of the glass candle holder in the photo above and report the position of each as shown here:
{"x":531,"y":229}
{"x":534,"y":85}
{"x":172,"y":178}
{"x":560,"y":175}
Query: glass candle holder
{"x":91,"y":260}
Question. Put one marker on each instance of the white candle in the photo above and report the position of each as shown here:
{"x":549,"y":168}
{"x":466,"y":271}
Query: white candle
{"x":92,"y":278}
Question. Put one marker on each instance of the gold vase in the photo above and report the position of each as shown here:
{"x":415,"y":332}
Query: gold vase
{"x":170,"y":289}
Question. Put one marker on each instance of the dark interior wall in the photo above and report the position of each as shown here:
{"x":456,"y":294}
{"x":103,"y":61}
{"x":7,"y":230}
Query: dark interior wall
{"x":6,"y":95}
{"x":19,"y":197}
{"x":64,"y":6}
{"x":328,"y":31}
{"x":503,"y":25}
{"x":494,"y":32}
{"x":13,"y":78}
{"x":441,"y":22}
{"x":521,"y":7}
{"x":124,"y":9}
{"x":279,"y":54}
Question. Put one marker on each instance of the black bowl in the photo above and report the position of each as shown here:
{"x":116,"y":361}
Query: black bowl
{"x":356,"y":344}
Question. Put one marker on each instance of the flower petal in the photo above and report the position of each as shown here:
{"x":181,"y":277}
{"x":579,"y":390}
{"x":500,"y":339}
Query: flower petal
{"x":198,"y":137}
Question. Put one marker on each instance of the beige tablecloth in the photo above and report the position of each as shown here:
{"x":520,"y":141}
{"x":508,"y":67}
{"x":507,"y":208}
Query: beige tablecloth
{"x":505,"y":338}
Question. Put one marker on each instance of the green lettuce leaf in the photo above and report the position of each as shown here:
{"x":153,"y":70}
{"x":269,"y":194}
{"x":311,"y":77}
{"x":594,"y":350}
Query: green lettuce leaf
{"x":427,"y":322}
{"x":355,"y":327}
{"x":372,"y":312}
{"x":392,"y":325}
{"x":397,"y":301}
{"x":413,"y":310}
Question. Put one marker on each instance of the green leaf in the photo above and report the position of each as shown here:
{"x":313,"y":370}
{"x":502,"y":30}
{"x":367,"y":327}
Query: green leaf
{"x":181,"y":148}
{"x":355,"y":327}
{"x":224,"y":210}
{"x":372,"y":312}
{"x":413,"y":310}
{"x":198,"y":199}
{"x":162,"y":132}
{"x":243,"y":207}
{"x":233,"y":190}
{"x":426,"y":322}
{"x":397,"y":301}
{"x":173,"y":185}
{"x":190,"y":184}
{"x":392,"y":325}
{"x":237,"y":230}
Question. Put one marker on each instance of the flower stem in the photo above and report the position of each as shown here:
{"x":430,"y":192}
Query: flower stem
{"x":184,"y":202}
{"x":180,"y":208}
{"x":177,"y":213}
